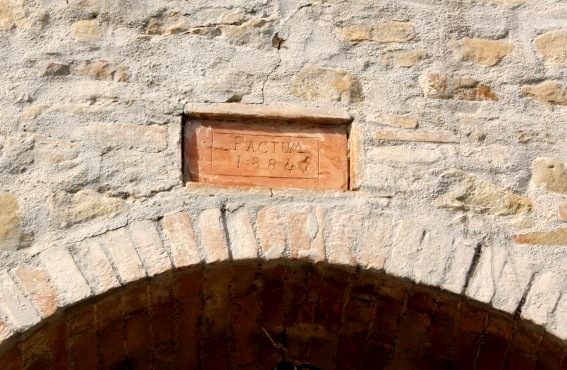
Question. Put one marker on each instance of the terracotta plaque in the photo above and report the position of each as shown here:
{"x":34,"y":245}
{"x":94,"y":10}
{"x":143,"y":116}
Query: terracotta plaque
{"x":263,"y":154}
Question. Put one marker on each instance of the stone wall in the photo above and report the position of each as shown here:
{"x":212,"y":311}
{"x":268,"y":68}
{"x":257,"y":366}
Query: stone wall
{"x":458,"y":141}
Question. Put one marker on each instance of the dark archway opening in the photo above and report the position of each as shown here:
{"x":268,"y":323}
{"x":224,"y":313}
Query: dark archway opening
{"x":211,"y":317}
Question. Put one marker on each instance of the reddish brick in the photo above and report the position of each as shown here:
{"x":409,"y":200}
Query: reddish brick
{"x":188,"y":350}
{"x":245,"y":281}
{"x":162,"y":315}
{"x":57,"y":340}
{"x":34,"y":349}
{"x":109,"y":321}
{"x":83,"y":349}
{"x":437,"y":349}
{"x":271,"y":232}
{"x":136,"y":335}
{"x":495,"y":341}
{"x":550,"y":353}
{"x":411,"y":336}
{"x":11,"y":360}
{"x":525,"y":345}
{"x":244,"y":315}
{"x":215,"y":354}
{"x":188,"y":286}
{"x":216,"y":296}
{"x":135,"y":301}
{"x":470,"y":325}
{"x":354,"y":330}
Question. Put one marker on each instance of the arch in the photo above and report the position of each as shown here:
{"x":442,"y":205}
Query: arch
{"x":212,"y":317}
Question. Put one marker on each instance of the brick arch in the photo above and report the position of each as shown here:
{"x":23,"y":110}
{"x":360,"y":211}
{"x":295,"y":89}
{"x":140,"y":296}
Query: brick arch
{"x":211,"y":317}
{"x":57,"y":292}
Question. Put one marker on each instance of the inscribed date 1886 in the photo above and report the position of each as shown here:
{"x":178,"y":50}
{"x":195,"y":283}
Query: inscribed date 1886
{"x":299,"y":156}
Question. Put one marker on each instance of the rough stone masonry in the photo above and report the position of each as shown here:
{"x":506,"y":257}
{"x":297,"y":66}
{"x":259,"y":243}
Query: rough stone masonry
{"x":458,"y":144}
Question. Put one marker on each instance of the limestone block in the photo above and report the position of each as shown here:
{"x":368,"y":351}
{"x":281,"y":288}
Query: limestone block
{"x":459,"y":264}
{"x":38,"y":288}
{"x":542,"y":298}
{"x":102,"y":70}
{"x":50,"y":68}
{"x":511,"y":4}
{"x":550,"y":174}
{"x":242,"y":239}
{"x":555,"y":237}
{"x":13,"y":305}
{"x":256,"y":32}
{"x":437,"y":247}
{"x":319,"y":83}
{"x":65,"y":275}
{"x":302,"y":227}
{"x":87,"y":31}
{"x":548,"y":92}
{"x":385,"y":32}
{"x":552,"y":46}
{"x":376,"y":241}
{"x":213,"y":237}
{"x":344,"y":235}
{"x":10,"y":229}
{"x":512,"y":284}
{"x":11,"y":12}
{"x":94,"y":265}
{"x":403,"y":58}
{"x":467,"y":192}
{"x":438,"y":136}
{"x":149,"y":246}
{"x":217,"y":16}
{"x":83,"y":206}
{"x":481,"y":51}
{"x":446,"y":86}
{"x":123,"y":255}
{"x":406,"y":249}
{"x":17,"y":154}
{"x":87,"y":5}
{"x":271,"y":232}
{"x":178,"y":229}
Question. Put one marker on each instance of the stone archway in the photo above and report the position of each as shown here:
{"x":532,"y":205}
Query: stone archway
{"x":335,"y":317}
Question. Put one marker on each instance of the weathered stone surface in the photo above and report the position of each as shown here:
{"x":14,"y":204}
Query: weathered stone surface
{"x":128,"y":136}
{"x":256,"y":32}
{"x":424,"y":136}
{"x":548,"y":92}
{"x":13,"y":305}
{"x":555,"y":237}
{"x":39,"y":289}
{"x":178,"y":229}
{"x":302,"y":227}
{"x":83,"y":206}
{"x":403,"y":58}
{"x":385,"y":32}
{"x":319,"y":83}
{"x":149,"y":246}
{"x":401,"y":122}
{"x":344,"y":230}
{"x":550,"y":174}
{"x":242,"y":239}
{"x":404,"y":154}
{"x":94,"y":265}
{"x":123,"y":255}
{"x":11,"y":12}
{"x":376,"y":240}
{"x":542,"y":298}
{"x":446,"y":86}
{"x":17,"y":154}
{"x":405,"y":249}
{"x":102,"y":70}
{"x":10,"y":229}
{"x":53,"y":69}
{"x":511,"y":4}
{"x":552,"y":46}
{"x":87,"y":5}
{"x":467,"y":192}
{"x":87,"y":31}
{"x":481,"y":51}
{"x":213,"y":237}
{"x":217,"y":16}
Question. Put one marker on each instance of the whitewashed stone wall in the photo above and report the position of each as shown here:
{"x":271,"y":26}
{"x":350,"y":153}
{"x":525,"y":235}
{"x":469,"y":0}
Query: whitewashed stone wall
{"x":458,"y":142}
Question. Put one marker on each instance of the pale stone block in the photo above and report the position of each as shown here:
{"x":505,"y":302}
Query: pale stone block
{"x":213,"y":237}
{"x":87,"y":31}
{"x":483,"y":284}
{"x":447,"y":86}
{"x":271,"y":232}
{"x":552,"y":46}
{"x":130,"y":136}
{"x":512,"y":284}
{"x":406,"y":249}
{"x":404,"y":154}
{"x":344,"y":233}
{"x":440,"y":136}
{"x":10,"y":230}
{"x":481,"y":51}
{"x":562,"y":213}
{"x":242,"y":239}
{"x":543,"y":297}
{"x":437,"y":246}
{"x":558,"y":325}
{"x":550,"y":174}
{"x":317,"y":252}
{"x":547,"y":92}
{"x":65,"y":275}
{"x":123,"y":255}
{"x":38,"y":288}
{"x":17,"y":309}
{"x":95,"y":266}
{"x":403,"y":58}
{"x":301,"y":229}
{"x":150,"y":247}
{"x":329,"y":84}
{"x":376,"y":241}
{"x":178,"y":229}
{"x":459,"y":264}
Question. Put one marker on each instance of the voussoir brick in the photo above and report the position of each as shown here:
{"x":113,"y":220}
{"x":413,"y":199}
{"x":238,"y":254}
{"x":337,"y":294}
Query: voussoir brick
{"x":65,"y":275}
{"x":213,"y":237}
{"x":242,"y":240}
{"x":376,"y":241}
{"x":36,"y":284}
{"x":16,"y":308}
{"x":271,"y":232}
{"x":405,"y":249}
{"x":178,"y":230}
{"x":150,"y":248}
{"x":94,"y":265}
{"x":344,"y":232}
{"x":123,"y":255}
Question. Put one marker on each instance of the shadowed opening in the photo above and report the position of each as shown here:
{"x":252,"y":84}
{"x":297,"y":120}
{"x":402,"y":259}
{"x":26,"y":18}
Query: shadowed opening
{"x":213,"y":316}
